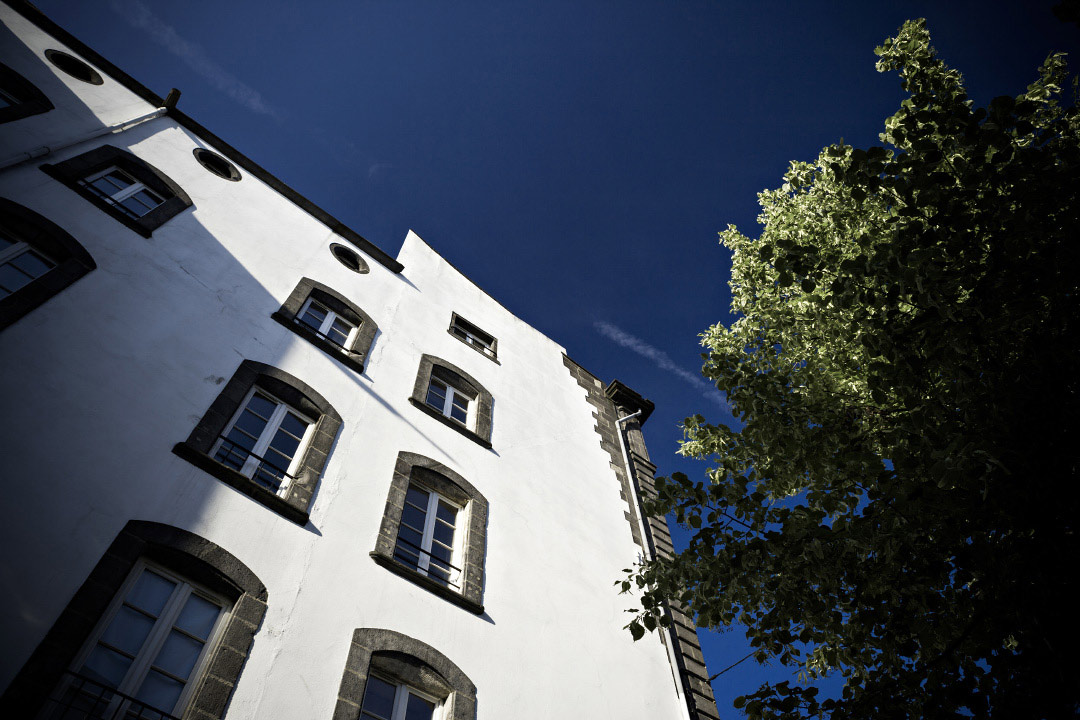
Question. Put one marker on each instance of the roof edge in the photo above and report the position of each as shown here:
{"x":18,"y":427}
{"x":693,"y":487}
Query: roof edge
{"x":43,"y":22}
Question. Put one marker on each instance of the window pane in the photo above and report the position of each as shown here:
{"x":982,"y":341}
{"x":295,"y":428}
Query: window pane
{"x":314,"y":315}
{"x":459,"y":413}
{"x":378,"y":698}
{"x":406,"y":556}
{"x":117,"y":179}
{"x":436,"y":397}
{"x":446,"y":512}
{"x":440,"y":552}
{"x":6,"y":241}
{"x":198,"y":616}
{"x":410,"y":536}
{"x":250,"y":423}
{"x":294,"y":425}
{"x":412,"y":517}
{"x":178,"y":655}
{"x":283,"y":446}
{"x":11,"y":278}
{"x":444,"y":534}
{"x":416,"y":496}
{"x":107,"y":667}
{"x":128,"y":630}
{"x":261,"y":405}
{"x":32,"y":264}
{"x":160,"y":692}
{"x":151,"y":592}
{"x":270,"y":478}
{"x":418,"y":708}
{"x":339,"y":331}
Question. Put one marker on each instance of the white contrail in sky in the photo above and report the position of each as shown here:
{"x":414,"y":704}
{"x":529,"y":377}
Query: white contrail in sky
{"x":662,"y":360}
{"x":140,"y":16}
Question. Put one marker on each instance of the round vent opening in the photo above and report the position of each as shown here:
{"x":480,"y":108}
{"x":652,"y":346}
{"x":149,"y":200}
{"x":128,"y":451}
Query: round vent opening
{"x":217,"y":164}
{"x":74,"y":67}
{"x":349,"y":258}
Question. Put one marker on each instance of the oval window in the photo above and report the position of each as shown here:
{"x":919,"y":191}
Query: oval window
{"x":349,"y":258}
{"x":216,"y":164}
{"x":74,"y":67}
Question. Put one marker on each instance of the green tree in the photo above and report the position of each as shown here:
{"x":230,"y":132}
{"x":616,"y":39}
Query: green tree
{"x":899,"y":503}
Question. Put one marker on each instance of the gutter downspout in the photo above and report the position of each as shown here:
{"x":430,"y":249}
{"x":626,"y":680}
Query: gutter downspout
{"x":45,"y":150}
{"x":650,"y":554}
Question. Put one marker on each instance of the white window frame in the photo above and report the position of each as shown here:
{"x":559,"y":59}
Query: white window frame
{"x":428,"y":534}
{"x":21,"y":247}
{"x":401,"y":699}
{"x":251,"y":464}
{"x":123,"y":194}
{"x":448,"y":402}
{"x":460,"y":327}
{"x":328,"y":323}
{"x":154,"y":641}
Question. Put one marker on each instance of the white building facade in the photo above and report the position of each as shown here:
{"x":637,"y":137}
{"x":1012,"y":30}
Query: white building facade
{"x":257,"y":468}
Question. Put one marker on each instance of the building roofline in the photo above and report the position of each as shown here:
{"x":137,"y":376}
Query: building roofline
{"x":43,"y":22}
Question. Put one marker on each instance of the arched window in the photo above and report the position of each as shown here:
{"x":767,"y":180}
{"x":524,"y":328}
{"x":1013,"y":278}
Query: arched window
{"x":268,"y":435}
{"x":19,"y":97}
{"x":449,"y":394}
{"x":130,"y":189}
{"x":328,"y":320}
{"x":38,"y":259}
{"x":156,"y":586}
{"x":434,"y":531}
{"x":389,"y":674}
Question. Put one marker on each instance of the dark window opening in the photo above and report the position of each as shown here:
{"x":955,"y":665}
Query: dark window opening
{"x":74,"y":67}
{"x":217,"y":164}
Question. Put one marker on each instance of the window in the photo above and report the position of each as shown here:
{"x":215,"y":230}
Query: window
{"x":472,"y":336}
{"x":264,"y":440}
{"x":161,"y":628}
{"x":126,"y":187}
{"x":147,"y":651}
{"x":122,"y":191}
{"x":389,"y":700}
{"x":328,"y":320}
{"x":74,"y":67}
{"x":450,"y":401}
{"x":452,"y":396}
{"x":268,"y":435}
{"x":434,"y":531}
{"x":391,"y":676}
{"x":19,"y":264}
{"x":326,"y":323}
{"x":349,"y":258}
{"x":425,"y":540}
{"x":38,"y":259}
{"x":217,"y":164}
{"x":19,"y":98}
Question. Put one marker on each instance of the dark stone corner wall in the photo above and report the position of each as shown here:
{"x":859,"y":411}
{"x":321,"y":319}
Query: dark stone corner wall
{"x":611,"y":403}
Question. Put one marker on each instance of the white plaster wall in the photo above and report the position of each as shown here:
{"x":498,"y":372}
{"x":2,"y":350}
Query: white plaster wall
{"x":101,"y":381}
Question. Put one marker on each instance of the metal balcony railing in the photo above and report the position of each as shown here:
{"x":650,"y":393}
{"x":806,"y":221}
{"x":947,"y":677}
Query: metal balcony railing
{"x":234,"y":455}
{"x":78,"y":697}
{"x":455,"y":570}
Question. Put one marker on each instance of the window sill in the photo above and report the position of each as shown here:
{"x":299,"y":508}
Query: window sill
{"x":451,"y":423}
{"x":343,"y":356}
{"x":241,"y":482}
{"x":427,"y":583}
{"x":490,"y":357}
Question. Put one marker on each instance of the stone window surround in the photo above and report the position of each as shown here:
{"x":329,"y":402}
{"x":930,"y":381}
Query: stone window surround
{"x":188,"y":554}
{"x":448,"y":372}
{"x":408,"y":660}
{"x":72,"y":260}
{"x":296,"y":504}
{"x":31,"y":100}
{"x":71,"y":171}
{"x":435,"y":476}
{"x":354,"y":355}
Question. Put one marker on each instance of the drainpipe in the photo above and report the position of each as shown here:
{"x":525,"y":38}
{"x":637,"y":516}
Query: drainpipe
{"x":650,"y":554}
{"x":45,"y":150}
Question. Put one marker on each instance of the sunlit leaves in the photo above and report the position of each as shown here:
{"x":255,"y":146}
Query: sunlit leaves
{"x":902,"y":366}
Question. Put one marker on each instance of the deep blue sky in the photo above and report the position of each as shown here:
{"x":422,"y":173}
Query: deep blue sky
{"x":576,"y":159}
